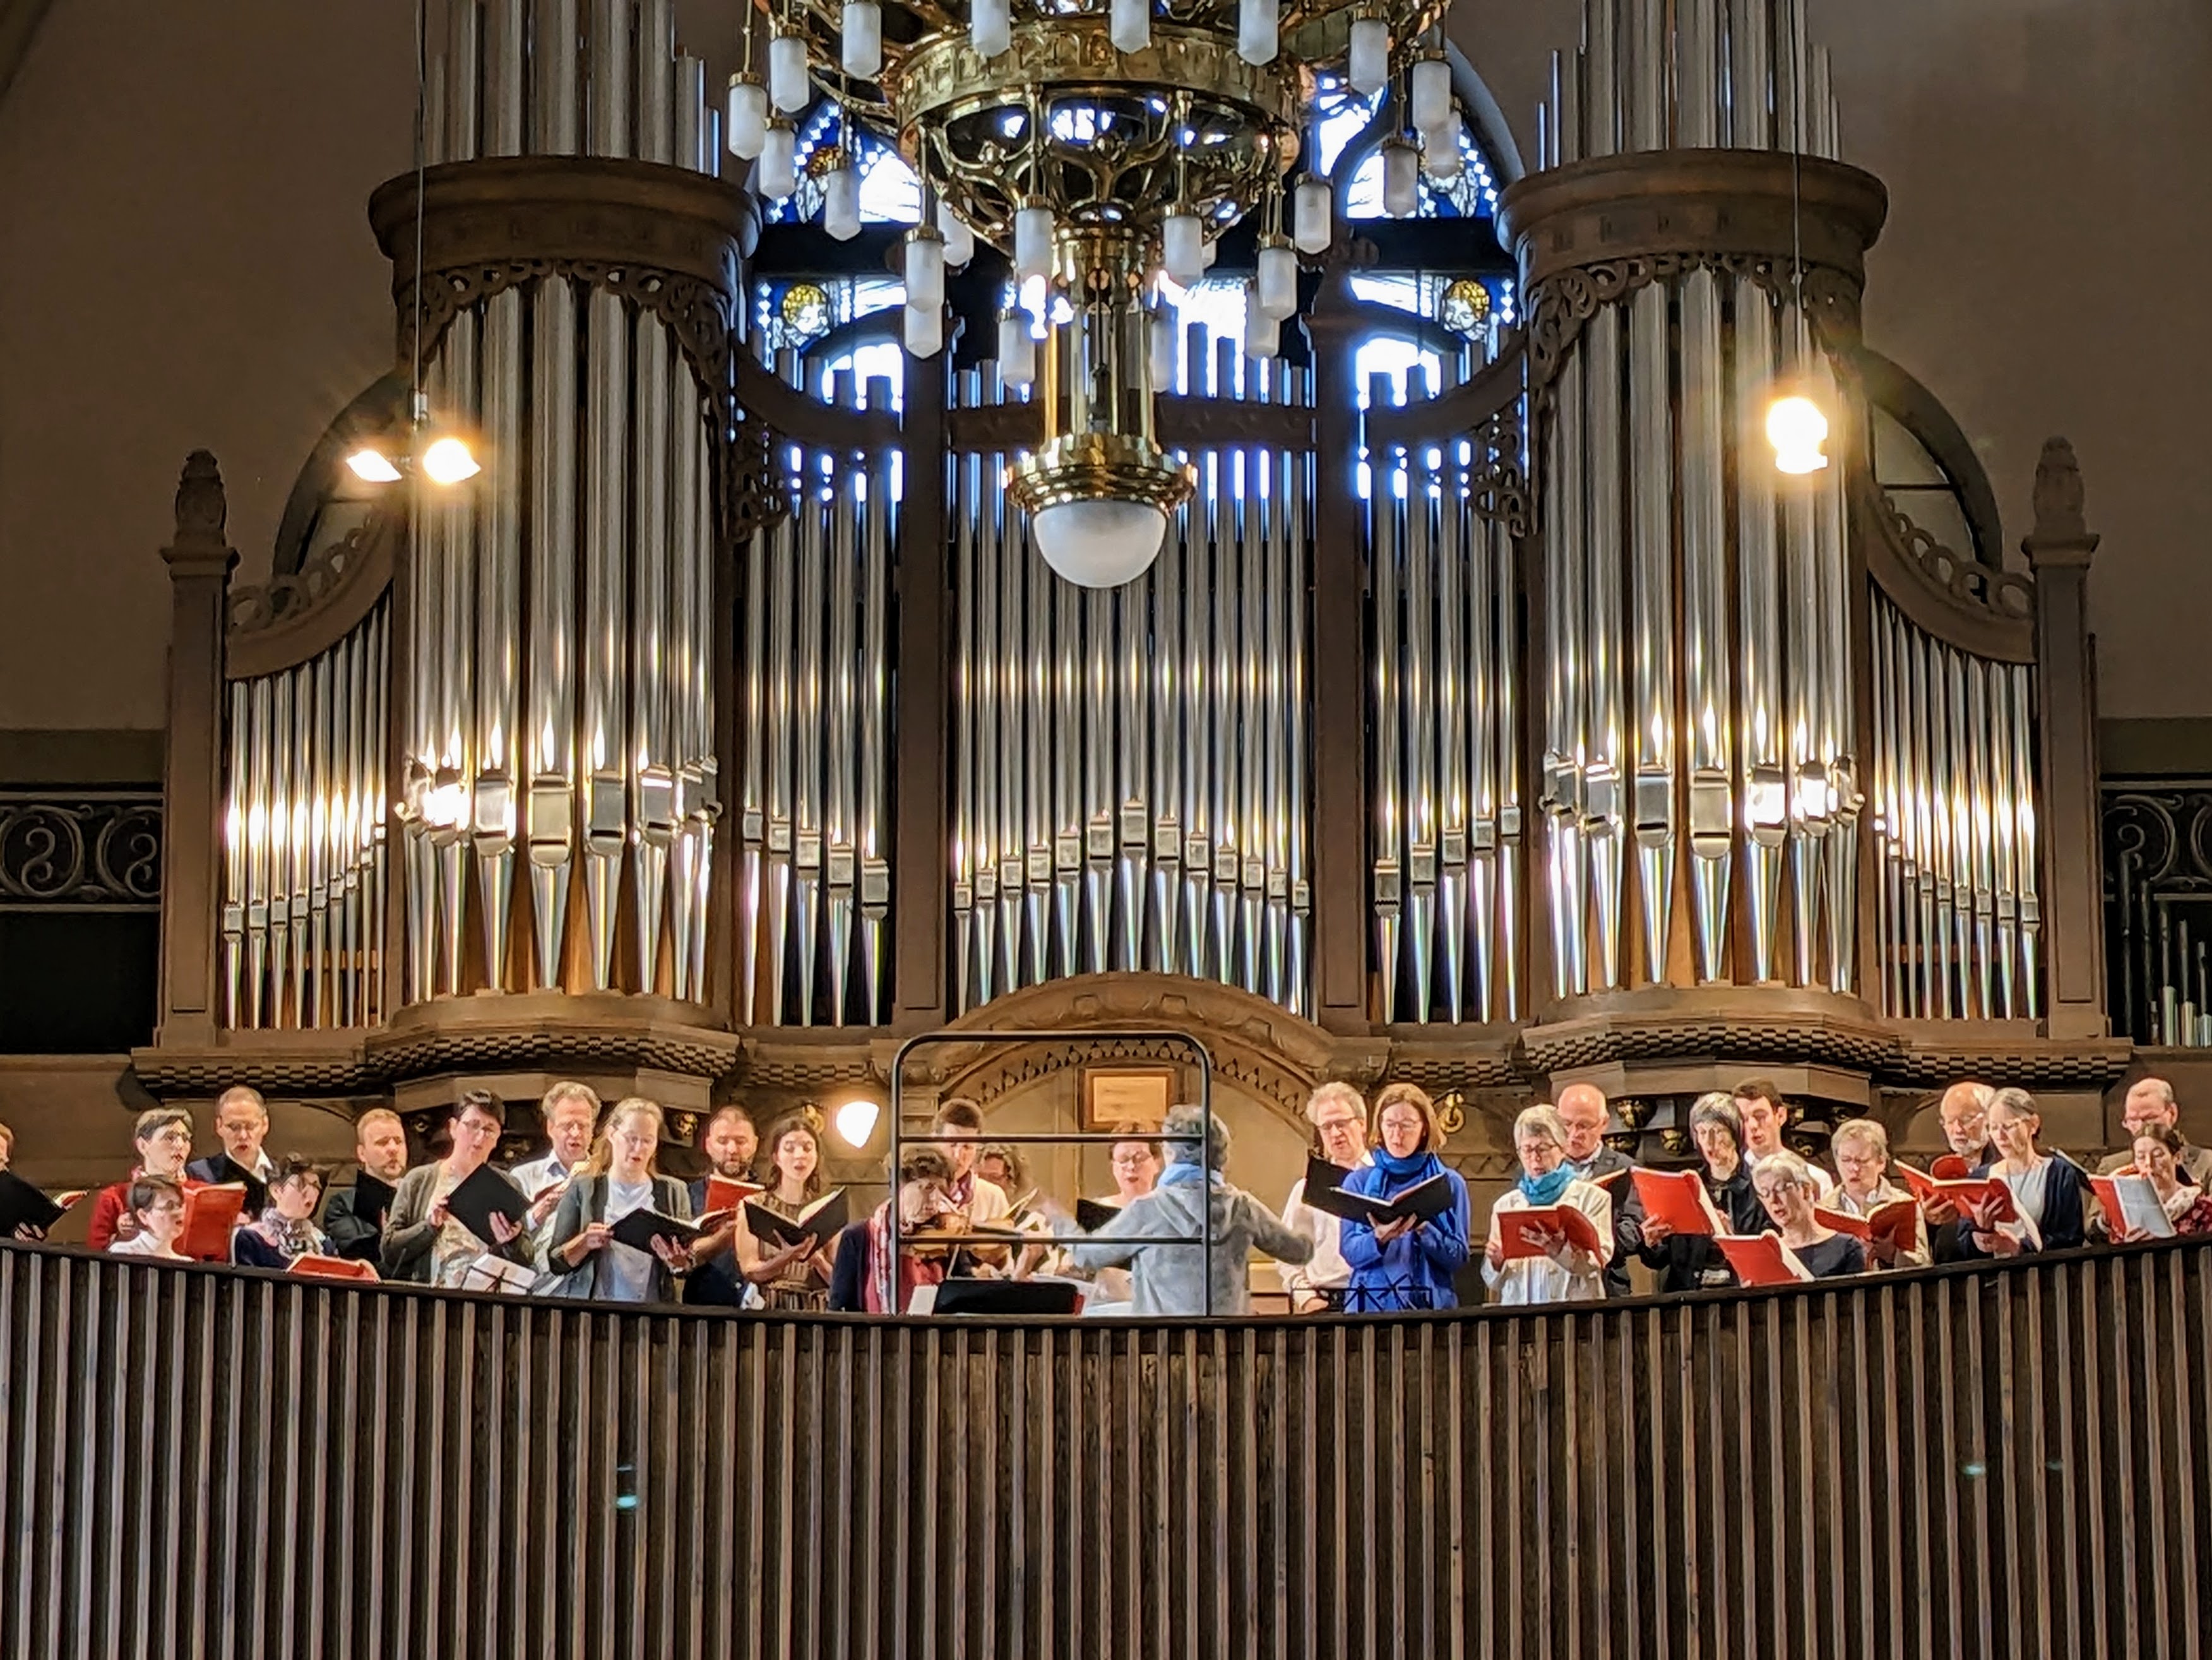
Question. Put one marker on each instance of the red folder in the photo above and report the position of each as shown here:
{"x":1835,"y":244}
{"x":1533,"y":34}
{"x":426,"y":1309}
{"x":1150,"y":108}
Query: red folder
{"x":1678,"y":1198}
{"x":1514,"y":1228}
{"x":313,"y":1267}
{"x":1761,"y":1259}
{"x":1898,"y":1222}
{"x":210,"y":1214}
{"x":725,"y":1194}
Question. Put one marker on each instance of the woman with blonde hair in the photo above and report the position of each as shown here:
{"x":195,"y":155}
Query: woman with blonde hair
{"x":2049,"y":1191}
{"x":1563,"y":1271}
{"x":1407,"y":1262}
{"x":620,"y":1176}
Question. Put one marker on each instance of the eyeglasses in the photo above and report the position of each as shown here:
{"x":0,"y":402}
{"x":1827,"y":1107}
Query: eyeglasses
{"x":1131,"y":1160}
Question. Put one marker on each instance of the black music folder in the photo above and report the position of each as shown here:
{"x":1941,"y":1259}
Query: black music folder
{"x":824,"y":1219}
{"x":1090,"y":1215}
{"x":1426,"y":1200}
{"x":21,"y":1203}
{"x":482,"y":1193}
{"x":643,"y":1226}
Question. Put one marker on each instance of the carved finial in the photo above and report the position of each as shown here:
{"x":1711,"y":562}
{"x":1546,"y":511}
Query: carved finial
{"x":197,"y":548}
{"x":201,"y":509}
{"x":2059,"y":494}
{"x":2062,"y":535}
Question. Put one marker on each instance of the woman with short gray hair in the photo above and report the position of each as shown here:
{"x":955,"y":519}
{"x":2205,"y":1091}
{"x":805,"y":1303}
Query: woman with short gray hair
{"x":1561,"y":1271}
{"x":1192,"y":1194}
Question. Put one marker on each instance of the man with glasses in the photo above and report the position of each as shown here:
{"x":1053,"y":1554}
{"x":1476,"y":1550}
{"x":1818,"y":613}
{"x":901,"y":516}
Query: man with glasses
{"x":1964,"y":1112}
{"x":2150,"y":1105}
{"x":1584,"y":1114}
{"x":1338,"y":1114}
{"x":242,"y":1119}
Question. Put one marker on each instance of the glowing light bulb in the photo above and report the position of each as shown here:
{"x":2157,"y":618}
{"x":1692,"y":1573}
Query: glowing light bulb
{"x":447,"y":461}
{"x":372,"y":466}
{"x":1797,"y":427}
{"x":856,"y":1121}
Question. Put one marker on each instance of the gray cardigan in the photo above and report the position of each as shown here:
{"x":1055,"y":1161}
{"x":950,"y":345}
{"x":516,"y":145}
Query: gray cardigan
{"x":1171,"y":1279}
{"x":584,"y":1201}
{"x":410,"y":1243}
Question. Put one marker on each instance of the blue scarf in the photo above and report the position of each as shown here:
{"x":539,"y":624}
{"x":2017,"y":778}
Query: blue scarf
{"x":1186,"y":1175}
{"x":1414,"y":1166}
{"x":1541,"y":1191}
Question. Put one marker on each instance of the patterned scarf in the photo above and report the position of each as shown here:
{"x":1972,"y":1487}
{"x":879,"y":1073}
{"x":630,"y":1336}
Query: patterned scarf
{"x":294,"y":1239}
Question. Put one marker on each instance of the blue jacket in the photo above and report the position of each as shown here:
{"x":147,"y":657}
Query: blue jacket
{"x":1415,"y":1270}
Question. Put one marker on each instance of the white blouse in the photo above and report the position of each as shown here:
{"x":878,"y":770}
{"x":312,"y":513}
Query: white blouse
{"x":1541,"y":1278}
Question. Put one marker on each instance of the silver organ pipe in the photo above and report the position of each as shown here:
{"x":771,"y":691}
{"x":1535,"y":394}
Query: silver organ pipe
{"x":1953,"y":809}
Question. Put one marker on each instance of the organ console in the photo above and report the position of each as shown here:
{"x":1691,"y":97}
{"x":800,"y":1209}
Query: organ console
{"x":1514,"y":721}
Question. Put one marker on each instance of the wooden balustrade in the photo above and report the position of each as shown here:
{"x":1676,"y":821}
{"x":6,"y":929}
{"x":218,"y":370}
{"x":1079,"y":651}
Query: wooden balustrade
{"x":1968,"y":1461}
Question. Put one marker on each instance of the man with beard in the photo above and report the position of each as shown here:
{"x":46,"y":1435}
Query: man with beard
{"x":354,"y":1217}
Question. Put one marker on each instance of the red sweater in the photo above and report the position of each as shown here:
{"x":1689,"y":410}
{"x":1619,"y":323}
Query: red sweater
{"x":107,"y":1206}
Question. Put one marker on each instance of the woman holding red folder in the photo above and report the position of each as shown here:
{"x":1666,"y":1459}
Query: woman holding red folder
{"x":1860,"y":1147}
{"x":1692,"y":1262}
{"x":2048,"y":1188}
{"x":1562,"y":1271}
{"x":1406,"y":1263}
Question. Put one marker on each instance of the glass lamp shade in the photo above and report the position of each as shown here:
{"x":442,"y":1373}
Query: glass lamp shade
{"x":925,"y":267}
{"x":1367,"y":63}
{"x":373,"y":466}
{"x":1099,"y":542}
{"x":1018,"y":357}
{"x":779,"y":162}
{"x":1032,"y":243}
{"x":1263,"y":335}
{"x":1432,"y":93}
{"x":1129,"y":24}
{"x":748,"y":119}
{"x":1182,"y":247}
{"x":841,"y":202}
{"x":959,"y":241}
{"x":924,"y":331}
{"x":1259,"y":34}
{"x":1441,"y":146}
{"x":1401,"y":179}
{"x":787,"y":86}
{"x":991,"y":26}
{"x":860,"y":40}
{"x":1160,"y":345}
{"x":1276,"y":292}
{"x":1311,"y":210}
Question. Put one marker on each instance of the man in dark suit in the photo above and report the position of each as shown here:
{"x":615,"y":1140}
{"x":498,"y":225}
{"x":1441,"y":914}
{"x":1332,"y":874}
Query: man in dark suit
{"x":730,"y":1142}
{"x":242,"y":1119}
{"x":354,"y":1217}
{"x":1584,"y":1111}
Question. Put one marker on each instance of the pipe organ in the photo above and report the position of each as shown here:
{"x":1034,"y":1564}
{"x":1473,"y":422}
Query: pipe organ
{"x":1129,"y":765}
{"x":1525,"y":724}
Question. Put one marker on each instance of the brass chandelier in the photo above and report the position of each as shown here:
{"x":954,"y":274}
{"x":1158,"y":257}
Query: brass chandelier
{"x":1100,"y":144}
